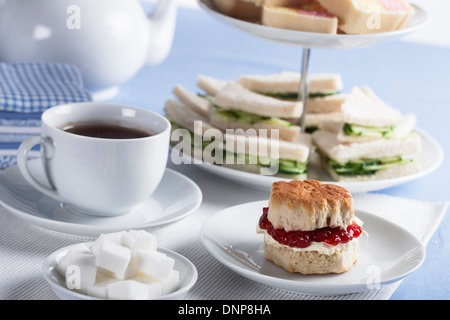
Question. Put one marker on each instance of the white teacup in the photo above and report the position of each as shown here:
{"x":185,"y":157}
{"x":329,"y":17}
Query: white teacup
{"x":99,"y":176}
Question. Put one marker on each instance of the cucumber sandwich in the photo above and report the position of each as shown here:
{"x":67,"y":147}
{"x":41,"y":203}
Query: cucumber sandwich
{"x":324,"y":101}
{"x":259,"y":155}
{"x":372,"y":141}
{"x":368,"y":160}
{"x":235,"y":107}
{"x":286,"y":84}
{"x":366,"y":117}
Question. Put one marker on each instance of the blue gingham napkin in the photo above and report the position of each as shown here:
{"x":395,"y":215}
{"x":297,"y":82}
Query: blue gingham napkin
{"x":28,"y":89}
{"x":35,"y":87}
{"x":17,"y":126}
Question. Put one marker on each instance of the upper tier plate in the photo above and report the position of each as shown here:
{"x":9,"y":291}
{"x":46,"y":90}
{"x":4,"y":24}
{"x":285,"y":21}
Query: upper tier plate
{"x":318,"y":40}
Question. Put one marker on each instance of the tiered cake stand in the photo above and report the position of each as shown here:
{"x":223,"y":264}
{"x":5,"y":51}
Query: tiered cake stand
{"x":310,"y":40}
{"x":431,"y":156}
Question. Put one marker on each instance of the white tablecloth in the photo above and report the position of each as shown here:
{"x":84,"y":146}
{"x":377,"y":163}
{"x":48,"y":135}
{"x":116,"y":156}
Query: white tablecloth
{"x":23,"y":247}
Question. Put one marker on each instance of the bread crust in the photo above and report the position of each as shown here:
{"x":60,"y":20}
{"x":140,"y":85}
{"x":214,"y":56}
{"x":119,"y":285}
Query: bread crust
{"x":313,"y":262}
{"x":185,"y":116}
{"x":234,"y":96}
{"x":264,"y":147}
{"x":364,"y":107}
{"x":328,"y":143}
{"x":198,"y":104}
{"x":327,"y":104}
{"x":289,"y":134}
{"x":399,"y":171}
{"x":319,"y":119}
{"x":309,"y":205}
{"x":211,"y":86}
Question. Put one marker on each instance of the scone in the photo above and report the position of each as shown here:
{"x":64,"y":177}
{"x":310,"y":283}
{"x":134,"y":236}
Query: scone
{"x":310,"y":227}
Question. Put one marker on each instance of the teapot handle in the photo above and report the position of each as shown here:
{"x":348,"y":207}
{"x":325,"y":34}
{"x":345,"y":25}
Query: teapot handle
{"x":162,"y":23}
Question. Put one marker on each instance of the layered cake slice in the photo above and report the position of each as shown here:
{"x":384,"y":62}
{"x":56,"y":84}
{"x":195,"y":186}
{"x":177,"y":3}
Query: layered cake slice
{"x":307,"y":16}
{"x":369,"y":16}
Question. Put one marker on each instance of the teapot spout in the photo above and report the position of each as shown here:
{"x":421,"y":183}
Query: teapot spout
{"x":162,"y":22}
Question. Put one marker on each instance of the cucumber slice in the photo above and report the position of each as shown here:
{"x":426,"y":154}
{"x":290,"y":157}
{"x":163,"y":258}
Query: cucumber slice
{"x":366,"y":167}
{"x":281,"y":95}
{"x":362,"y":131}
{"x":248,"y":118}
{"x":291,"y":170}
{"x":295,"y":96}
{"x":386,"y":165}
{"x":391,"y":159}
{"x":277,"y":122}
{"x":292,"y":166}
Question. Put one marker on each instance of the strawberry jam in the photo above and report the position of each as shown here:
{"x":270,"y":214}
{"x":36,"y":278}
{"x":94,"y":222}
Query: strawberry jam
{"x":303,"y":239}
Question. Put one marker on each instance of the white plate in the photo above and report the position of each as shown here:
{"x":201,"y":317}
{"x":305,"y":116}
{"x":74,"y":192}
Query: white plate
{"x":175,"y":198}
{"x":188,"y":276}
{"x":429,"y":159}
{"x":388,"y":254}
{"x":317,"y":40}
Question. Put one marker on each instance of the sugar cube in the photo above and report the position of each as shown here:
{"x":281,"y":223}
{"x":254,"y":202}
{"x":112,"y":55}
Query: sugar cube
{"x":81,"y":271}
{"x":155,"y":264}
{"x":154,"y":286}
{"x":171,"y":283}
{"x":127,"y":274}
{"x":127,"y":290}
{"x":113,"y":257}
{"x":65,"y":261}
{"x":154,"y":289}
{"x":62,"y":265}
{"x":139,"y":240}
{"x":114,"y":236}
{"x":99,"y":288}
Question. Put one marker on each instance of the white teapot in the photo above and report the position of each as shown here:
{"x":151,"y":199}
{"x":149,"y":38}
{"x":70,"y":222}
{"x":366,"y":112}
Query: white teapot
{"x":108,"y":40}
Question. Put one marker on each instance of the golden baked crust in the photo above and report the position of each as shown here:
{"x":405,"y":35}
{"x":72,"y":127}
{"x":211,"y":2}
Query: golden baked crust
{"x":308,"y":205}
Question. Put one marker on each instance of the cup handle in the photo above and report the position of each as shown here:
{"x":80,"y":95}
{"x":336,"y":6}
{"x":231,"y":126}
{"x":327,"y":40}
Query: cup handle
{"x":22,"y":160}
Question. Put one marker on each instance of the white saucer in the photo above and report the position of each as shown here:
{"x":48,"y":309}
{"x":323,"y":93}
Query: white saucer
{"x":317,"y":40}
{"x":175,"y":198}
{"x":429,"y":160}
{"x":388,"y":254}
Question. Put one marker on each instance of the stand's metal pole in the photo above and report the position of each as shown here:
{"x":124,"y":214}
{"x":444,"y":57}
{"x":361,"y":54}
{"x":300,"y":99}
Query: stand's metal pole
{"x":303,"y":90}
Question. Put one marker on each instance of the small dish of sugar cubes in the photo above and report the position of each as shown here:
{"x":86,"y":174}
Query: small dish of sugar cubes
{"x":125,"y":265}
